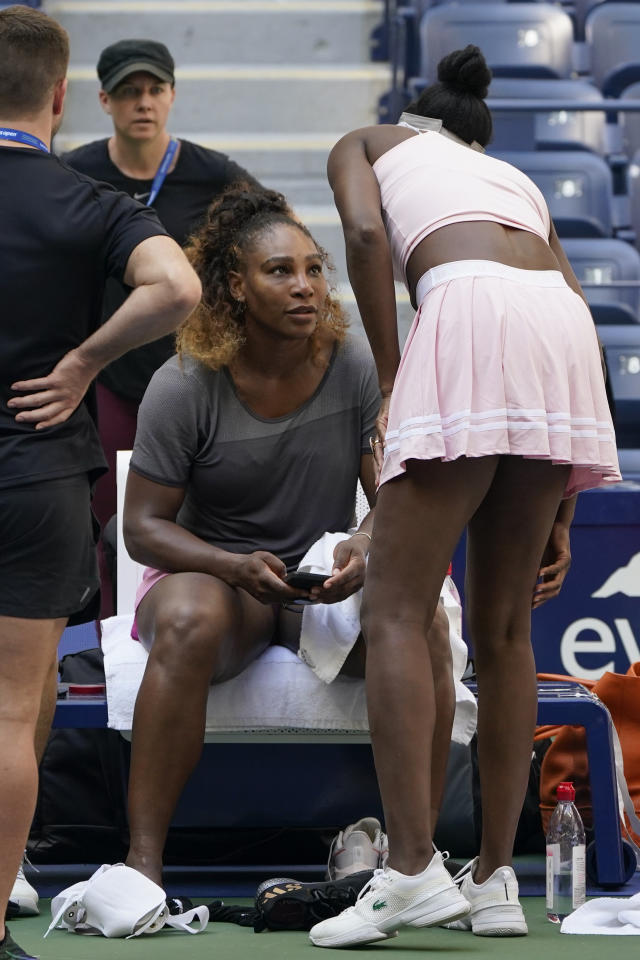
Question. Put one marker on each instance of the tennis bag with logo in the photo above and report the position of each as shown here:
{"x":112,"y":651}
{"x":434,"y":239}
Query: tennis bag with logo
{"x":117,"y":901}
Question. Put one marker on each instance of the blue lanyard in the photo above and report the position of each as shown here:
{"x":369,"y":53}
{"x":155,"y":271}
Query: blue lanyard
{"x":19,"y":136}
{"x":162,"y":170}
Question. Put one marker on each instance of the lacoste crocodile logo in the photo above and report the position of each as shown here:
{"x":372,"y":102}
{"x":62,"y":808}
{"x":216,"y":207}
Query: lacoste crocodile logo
{"x":379,"y":904}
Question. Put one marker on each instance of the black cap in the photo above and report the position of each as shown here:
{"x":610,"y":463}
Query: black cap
{"x":121,"y":59}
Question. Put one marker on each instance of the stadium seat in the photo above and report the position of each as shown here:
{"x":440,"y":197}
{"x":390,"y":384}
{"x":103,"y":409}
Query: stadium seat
{"x":634,"y":190}
{"x":580,"y":9}
{"x":631,"y":121}
{"x":612,"y":33}
{"x":622,"y":343}
{"x":576,"y":184}
{"x":517,"y":39}
{"x":599,"y":263}
{"x":557,"y":130}
{"x":629,"y":464}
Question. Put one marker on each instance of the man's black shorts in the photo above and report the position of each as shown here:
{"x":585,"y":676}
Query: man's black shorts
{"x":48,"y":565}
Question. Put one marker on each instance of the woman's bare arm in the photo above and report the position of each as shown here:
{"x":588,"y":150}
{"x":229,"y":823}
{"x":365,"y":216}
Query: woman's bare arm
{"x":349,"y":555}
{"x":573,"y":282}
{"x":357,"y":198}
{"x":153,"y":538}
{"x":565,"y":266}
{"x":166,"y":289}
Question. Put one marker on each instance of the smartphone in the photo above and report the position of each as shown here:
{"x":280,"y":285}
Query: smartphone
{"x":304,"y":581}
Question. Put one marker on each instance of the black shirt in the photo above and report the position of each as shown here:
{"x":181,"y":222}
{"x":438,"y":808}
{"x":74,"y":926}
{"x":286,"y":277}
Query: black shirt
{"x":197,"y":178}
{"x":62,"y":235}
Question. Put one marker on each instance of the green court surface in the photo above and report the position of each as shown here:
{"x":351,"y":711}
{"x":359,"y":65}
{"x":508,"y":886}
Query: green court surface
{"x":224,"y":941}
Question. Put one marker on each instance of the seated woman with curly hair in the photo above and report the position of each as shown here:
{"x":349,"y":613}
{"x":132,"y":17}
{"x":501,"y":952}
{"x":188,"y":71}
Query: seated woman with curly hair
{"x":249,"y":447}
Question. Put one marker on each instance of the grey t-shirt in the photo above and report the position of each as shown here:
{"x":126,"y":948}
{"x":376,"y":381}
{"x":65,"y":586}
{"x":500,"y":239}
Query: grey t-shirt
{"x":254,"y":483}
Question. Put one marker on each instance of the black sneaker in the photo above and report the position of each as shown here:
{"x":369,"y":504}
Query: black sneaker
{"x":9,"y":949}
{"x":287,"y":904}
{"x":178,"y":905}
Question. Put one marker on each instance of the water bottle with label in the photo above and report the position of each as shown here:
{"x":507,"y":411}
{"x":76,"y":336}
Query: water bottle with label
{"x":565,"y":857}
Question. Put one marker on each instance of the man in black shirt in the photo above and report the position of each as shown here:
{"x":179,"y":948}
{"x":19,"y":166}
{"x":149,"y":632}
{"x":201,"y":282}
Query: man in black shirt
{"x":138,"y":91}
{"x":62,"y":236}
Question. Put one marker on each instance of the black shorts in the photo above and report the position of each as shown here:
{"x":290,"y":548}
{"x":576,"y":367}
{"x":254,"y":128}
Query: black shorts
{"x":48,"y":564}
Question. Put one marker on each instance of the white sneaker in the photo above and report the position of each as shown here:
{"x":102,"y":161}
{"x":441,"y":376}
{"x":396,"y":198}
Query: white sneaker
{"x":24,"y":896}
{"x":360,"y":846}
{"x":392,"y":900}
{"x":495,"y":908}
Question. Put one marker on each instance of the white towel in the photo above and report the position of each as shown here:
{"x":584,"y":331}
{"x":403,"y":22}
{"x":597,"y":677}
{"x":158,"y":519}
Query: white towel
{"x":618,"y":916}
{"x":329,"y":631}
{"x":275,"y":693}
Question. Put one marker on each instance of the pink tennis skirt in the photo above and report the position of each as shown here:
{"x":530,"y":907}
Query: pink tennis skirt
{"x":501,"y":361}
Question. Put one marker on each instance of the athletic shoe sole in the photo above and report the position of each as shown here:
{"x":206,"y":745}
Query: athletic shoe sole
{"x":288,"y":904}
{"x":367,"y":933}
{"x":445,"y":906}
{"x":504,"y":921}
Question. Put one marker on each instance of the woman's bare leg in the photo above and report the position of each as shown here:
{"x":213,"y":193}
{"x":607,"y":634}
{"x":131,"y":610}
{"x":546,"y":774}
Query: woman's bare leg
{"x":445,"y":699}
{"x":419,"y":519}
{"x":199,"y":631}
{"x":506,"y":539}
{"x":47,"y":709}
{"x":27,"y":648}
{"x":437,"y":640}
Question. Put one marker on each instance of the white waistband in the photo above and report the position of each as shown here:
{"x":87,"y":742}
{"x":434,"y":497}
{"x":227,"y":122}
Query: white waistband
{"x":485,"y":268}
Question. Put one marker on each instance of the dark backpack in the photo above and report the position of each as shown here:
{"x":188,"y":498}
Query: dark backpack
{"x":81,"y":810}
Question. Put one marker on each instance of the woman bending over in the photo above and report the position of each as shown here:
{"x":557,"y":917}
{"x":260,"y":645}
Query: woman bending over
{"x":494,"y":418}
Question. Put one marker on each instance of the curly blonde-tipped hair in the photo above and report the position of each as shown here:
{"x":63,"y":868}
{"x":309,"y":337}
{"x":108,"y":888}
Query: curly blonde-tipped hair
{"x":214,"y":333}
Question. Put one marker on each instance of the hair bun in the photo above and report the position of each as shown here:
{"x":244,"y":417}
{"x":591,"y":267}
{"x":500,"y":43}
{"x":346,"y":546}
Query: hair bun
{"x":466,"y":71}
{"x":247,"y":200}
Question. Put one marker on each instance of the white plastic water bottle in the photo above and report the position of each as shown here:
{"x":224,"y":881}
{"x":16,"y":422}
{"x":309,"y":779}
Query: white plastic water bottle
{"x":565,"y":857}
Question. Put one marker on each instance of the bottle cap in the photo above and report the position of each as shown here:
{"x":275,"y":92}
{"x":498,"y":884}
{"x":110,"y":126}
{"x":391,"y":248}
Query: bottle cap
{"x":566,"y":791}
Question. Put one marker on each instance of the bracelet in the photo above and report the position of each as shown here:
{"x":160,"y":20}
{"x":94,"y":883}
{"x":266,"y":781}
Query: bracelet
{"x":361,"y":533}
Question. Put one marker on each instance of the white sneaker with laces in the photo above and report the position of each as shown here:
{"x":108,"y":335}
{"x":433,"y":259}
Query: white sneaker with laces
{"x":495,"y":908}
{"x":24,"y":896}
{"x":392,"y":900}
{"x":360,"y":846}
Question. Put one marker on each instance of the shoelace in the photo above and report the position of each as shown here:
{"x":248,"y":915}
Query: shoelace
{"x":380,"y":876}
{"x":333,"y":848}
{"x":346,"y":895}
{"x":467,"y":870}
{"x":25,"y":859}
{"x":219,"y":912}
{"x":331,"y":896}
{"x":464,"y":872}
{"x":379,"y":879}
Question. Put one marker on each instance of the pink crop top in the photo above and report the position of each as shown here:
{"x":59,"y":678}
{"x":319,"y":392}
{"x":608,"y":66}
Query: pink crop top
{"x":429,"y":181}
